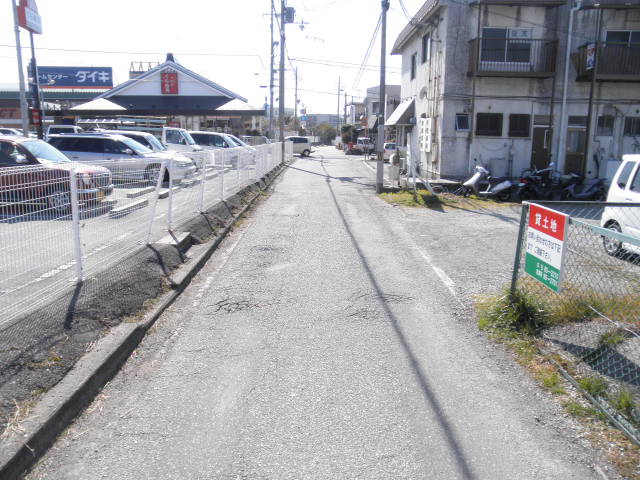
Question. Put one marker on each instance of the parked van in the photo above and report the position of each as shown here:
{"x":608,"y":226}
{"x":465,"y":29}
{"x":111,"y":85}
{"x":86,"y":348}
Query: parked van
{"x":625,"y":187}
{"x":58,"y":129}
{"x":301,"y":145}
{"x":179,"y":139}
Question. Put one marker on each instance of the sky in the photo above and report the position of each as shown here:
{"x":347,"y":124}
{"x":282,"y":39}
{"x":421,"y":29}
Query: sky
{"x":226,"y":41}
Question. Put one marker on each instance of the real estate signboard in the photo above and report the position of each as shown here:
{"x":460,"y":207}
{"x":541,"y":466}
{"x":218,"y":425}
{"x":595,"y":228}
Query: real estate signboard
{"x":545,"y":239}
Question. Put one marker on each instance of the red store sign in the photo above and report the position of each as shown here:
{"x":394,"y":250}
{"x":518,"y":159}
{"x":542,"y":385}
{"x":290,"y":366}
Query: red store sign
{"x":28,"y":16}
{"x":169,"y":82}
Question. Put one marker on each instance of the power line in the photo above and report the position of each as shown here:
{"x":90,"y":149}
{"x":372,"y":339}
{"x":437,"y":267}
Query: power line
{"x":337,"y":62}
{"x":368,"y":69}
{"x":366,"y":56}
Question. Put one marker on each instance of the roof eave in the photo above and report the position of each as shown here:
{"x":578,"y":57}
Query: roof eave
{"x":427,"y":9}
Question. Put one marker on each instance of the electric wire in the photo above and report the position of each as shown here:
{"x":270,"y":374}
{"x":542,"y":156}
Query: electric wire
{"x":369,"y":49}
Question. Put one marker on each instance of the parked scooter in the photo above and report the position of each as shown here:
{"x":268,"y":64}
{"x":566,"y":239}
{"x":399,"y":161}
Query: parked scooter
{"x":474,"y":185}
{"x":499,"y":188}
{"x":579,"y":188}
{"x":536,"y":184}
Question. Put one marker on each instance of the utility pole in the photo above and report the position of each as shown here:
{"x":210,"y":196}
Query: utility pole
{"x":295,"y":107}
{"x":344,"y":117}
{"x":589,"y":130}
{"x":381,"y":99}
{"x":23,"y":96}
{"x":37,"y":103}
{"x":271,"y":72}
{"x":338,"y":111}
{"x":282,"y":53}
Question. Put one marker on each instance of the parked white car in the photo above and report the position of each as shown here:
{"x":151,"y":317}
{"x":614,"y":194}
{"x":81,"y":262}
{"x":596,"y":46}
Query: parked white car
{"x":217,"y":140}
{"x":150,"y":141}
{"x":59,"y":129}
{"x":365,"y":144}
{"x":301,"y":145}
{"x":123,"y":156}
{"x":625,"y":187}
{"x":389,"y":149}
{"x":180,"y":140}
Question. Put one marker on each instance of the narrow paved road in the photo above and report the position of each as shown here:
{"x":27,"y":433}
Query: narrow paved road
{"x":321,"y":342}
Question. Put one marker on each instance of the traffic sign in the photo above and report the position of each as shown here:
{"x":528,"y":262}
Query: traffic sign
{"x":546,"y":235}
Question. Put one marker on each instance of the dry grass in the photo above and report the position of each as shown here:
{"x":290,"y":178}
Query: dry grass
{"x":619,"y":450}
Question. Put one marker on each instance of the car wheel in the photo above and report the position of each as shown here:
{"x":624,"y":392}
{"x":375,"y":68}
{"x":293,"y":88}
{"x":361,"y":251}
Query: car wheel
{"x":306,"y":152}
{"x":151,"y":174}
{"x":59,"y":201}
{"x":611,"y":245}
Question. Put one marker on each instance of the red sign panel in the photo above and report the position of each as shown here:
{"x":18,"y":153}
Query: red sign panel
{"x":28,"y":16}
{"x":10,"y":113}
{"x":547,"y":221}
{"x":169,"y":83}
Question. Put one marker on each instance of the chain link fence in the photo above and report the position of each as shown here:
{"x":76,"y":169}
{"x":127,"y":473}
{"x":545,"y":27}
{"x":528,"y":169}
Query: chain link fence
{"x":592,"y":324}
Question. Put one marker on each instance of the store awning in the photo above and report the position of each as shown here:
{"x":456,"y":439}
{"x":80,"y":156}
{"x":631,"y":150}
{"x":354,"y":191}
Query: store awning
{"x":402,"y":113}
{"x":372,"y":121}
{"x":98,"y":105}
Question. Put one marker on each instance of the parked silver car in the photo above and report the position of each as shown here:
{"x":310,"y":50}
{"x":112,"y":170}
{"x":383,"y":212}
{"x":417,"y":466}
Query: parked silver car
{"x":125,"y":157}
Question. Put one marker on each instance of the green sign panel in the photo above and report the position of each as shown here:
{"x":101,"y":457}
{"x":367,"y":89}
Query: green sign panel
{"x":545,"y":242}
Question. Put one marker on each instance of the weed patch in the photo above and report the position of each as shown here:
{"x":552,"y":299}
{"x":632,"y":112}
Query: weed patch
{"x":623,"y":402}
{"x":515,"y":312}
{"x":595,"y":386}
{"x":422,"y":198}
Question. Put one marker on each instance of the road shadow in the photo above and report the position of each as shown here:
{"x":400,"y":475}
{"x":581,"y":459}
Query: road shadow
{"x":604,"y":360}
{"x":340,"y":179}
{"x":427,"y":392}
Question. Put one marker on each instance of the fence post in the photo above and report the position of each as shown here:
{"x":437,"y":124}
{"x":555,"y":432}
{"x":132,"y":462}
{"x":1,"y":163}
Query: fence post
{"x":516,"y":262}
{"x":203,"y":179}
{"x":238,"y":170}
{"x":222,"y":154}
{"x":170,"y":206}
{"x":155,"y":200}
{"x":75,"y":220}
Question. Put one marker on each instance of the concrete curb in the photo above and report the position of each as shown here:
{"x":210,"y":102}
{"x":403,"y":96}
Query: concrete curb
{"x":57,"y":409}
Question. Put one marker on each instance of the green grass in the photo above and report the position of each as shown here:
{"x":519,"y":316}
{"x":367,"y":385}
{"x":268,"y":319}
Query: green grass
{"x":423,"y":198}
{"x":596,"y":386}
{"x":578,"y":410}
{"x":517,"y":312}
{"x":623,"y":402}
{"x":612,"y":338}
{"x":551,"y":381}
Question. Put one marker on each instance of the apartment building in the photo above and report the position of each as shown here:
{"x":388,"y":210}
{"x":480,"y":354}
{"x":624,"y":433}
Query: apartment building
{"x":483,"y":82}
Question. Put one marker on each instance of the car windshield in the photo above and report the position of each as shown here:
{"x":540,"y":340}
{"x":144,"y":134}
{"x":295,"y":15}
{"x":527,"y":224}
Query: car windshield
{"x":155,"y":143}
{"x":45,"y":152}
{"x":237,"y":141}
{"x":135,"y":146}
{"x":189,"y":138}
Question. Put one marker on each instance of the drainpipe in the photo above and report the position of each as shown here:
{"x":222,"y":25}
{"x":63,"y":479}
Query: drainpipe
{"x":562,"y":138}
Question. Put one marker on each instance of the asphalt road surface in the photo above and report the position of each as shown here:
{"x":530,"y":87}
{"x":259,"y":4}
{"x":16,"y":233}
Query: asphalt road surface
{"x":329,"y":338}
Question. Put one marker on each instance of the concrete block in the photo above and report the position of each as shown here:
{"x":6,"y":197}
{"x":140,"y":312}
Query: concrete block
{"x":125,"y":209}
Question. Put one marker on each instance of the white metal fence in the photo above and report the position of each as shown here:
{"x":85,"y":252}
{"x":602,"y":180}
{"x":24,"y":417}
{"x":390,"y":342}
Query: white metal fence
{"x":64,"y":223}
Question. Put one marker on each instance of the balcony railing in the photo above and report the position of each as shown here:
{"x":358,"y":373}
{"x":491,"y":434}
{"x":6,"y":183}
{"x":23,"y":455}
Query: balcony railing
{"x":616,"y":62}
{"x":522,"y":3}
{"x":512,"y":57}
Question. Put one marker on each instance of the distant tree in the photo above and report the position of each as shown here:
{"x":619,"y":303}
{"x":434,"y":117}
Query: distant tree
{"x":326,"y":133}
{"x":348,"y":134}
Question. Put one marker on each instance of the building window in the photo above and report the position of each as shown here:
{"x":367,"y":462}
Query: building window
{"x":426,"y":48}
{"x":577,"y":121}
{"x":632,"y":126}
{"x":605,"y":126}
{"x":413,"y":65}
{"x":625,"y":38}
{"x":489,"y":124}
{"x":506,"y":45}
{"x":519,"y":125}
{"x":462,"y":122}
